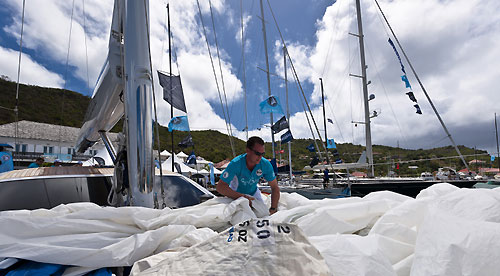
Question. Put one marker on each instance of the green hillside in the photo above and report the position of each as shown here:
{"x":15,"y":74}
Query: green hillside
{"x":55,"y":106}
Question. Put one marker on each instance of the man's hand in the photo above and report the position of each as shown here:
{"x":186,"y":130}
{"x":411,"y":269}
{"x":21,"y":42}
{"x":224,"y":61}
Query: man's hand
{"x":272,"y":210}
{"x":250,"y":198}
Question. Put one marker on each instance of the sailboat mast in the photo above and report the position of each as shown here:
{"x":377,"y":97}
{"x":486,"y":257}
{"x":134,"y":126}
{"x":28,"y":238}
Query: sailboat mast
{"x":496,"y":133}
{"x":288,"y":117}
{"x":171,"y":94}
{"x":324,"y":120}
{"x":267,"y":70}
{"x":244,"y":74}
{"x":368,"y":135}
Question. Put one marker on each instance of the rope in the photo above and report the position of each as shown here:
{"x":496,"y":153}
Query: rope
{"x":215,"y":75}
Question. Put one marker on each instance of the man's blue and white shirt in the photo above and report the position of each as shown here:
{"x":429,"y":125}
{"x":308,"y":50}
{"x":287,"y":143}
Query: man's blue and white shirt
{"x":244,"y":181}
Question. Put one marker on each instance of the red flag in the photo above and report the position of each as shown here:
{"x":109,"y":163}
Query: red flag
{"x":397,"y":166}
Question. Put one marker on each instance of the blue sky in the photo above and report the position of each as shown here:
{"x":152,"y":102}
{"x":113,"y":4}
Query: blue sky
{"x":451,"y":45}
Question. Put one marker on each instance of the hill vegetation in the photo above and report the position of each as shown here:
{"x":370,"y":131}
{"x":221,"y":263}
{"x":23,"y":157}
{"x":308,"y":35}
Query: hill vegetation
{"x":57,"y":106}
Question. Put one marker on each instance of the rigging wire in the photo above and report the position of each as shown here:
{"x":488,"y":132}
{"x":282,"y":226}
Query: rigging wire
{"x":65,"y":77}
{"x":295,"y":75}
{"x":330,"y":45}
{"x":216,"y":81}
{"x":422,"y":86}
{"x":243,"y":61}
{"x":86,"y":48}
{"x":307,"y":117}
{"x":220,"y":68}
{"x":16,"y":107}
{"x":163,"y":41}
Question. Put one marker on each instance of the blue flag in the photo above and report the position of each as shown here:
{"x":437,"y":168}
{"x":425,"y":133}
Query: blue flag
{"x":311,"y":147}
{"x":212,"y":176}
{"x":179,"y":123}
{"x":191,"y":159}
{"x":331,"y":144}
{"x":271,"y":104}
{"x":397,"y":54}
{"x":492,"y":158}
{"x":287,"y":137}
{"x":406,"y":81}
{"x":330,"y":121}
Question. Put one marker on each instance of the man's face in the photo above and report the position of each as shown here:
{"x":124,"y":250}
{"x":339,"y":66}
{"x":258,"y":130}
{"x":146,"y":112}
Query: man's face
{"x":39,"y":162}
{"x":254,"y":155}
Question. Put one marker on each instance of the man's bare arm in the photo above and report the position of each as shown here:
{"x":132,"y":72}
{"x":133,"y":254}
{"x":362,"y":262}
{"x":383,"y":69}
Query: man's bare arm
{"x":224,"y":189}
{"x":275,"y":196}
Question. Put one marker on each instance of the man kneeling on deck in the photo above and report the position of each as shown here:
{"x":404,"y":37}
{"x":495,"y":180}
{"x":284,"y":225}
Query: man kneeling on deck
{"x":244,"y":172}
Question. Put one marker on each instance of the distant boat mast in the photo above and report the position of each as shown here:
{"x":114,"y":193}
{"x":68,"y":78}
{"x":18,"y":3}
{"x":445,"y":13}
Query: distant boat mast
{"x":267,"y":70}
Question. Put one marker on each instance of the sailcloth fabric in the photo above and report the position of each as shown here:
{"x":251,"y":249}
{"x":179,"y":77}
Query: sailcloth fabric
{"x":174,"y":96}
{"x":443,"y":231}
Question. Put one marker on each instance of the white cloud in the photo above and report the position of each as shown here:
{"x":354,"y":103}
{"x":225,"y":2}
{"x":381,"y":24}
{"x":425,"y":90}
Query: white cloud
{"x":31,"y":71}
{"x":452,"y":46}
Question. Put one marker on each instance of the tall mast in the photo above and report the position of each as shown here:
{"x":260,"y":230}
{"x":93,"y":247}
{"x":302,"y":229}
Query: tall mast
{"x":171,"y":94}
{"x":288,"y":117}
{"x":244,"y":75}
{"x":267,"y":70}
{"x":496,"y":133}
{"x":324,"y":121}
{"x":368,"y":135}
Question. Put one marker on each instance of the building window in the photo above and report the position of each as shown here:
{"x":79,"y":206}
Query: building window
{"x":17,"y":147}
{"x":47,"y":149}
{"x":69,"y":150}
{"x":24,"y":147}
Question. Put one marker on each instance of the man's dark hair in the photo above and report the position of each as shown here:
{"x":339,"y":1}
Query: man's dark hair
{"x":254,"y":140}
{"x":40,"y":159}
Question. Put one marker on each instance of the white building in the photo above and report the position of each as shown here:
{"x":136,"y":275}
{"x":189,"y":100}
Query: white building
{"x":50,"y":141}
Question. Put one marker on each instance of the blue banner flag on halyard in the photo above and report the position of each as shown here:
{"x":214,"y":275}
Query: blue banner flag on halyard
{"x":411,"y":96}
{"x":311,"y":147}
{"x":330,"y":120}
{"x":331,"y":144}
{"x":397,"y":54}
{"x":280,"y":125}
{"x":212,"y":175}
{"x":191,"y":159}
{"x":418,"y":109}
{"x":186,"y":142}
{"x":492,"y":158}
{"x":271,"y":104}
{"x":404,"y":78}
{"x":173,"y":96}
{"x":179,"y":123}
{"x":287,"y":137}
